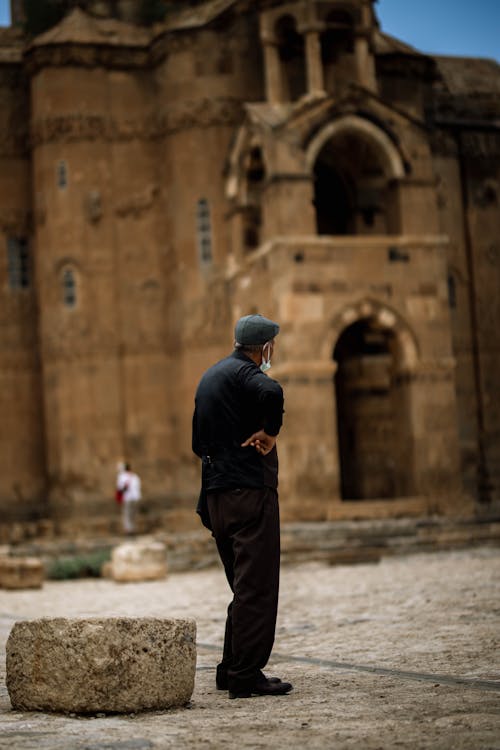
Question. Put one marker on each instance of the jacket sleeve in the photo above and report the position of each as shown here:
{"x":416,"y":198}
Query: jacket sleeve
{"x":269,"y":397}
{"x":195,"y":440}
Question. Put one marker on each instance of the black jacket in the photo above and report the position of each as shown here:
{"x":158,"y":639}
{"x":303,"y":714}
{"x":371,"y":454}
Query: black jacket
{"x":234,"y":399}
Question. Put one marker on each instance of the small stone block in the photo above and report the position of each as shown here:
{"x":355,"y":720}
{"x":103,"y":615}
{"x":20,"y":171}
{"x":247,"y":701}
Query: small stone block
{"x":139,"y":561}
{"x":109,"y":665}
{"x":21,"y":573}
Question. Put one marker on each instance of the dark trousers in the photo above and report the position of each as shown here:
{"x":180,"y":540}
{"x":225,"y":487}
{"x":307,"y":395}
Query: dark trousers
{"x":245,"y":525}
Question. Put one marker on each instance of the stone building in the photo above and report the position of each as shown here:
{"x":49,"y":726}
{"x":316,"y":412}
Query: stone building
{"x":281,"y":156}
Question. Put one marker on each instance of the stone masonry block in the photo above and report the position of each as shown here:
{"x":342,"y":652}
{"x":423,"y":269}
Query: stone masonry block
{"x":21,"y":573}
{"x":101,"y":664}
{"x":139,"y":561}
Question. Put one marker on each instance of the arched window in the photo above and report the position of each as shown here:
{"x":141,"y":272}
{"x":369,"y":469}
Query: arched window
{"x":255,"y":174}
{"x":62,"y":175}
{"x":351,"y":188}
{"x":204,"y":232}
{"x":69,"y":291}
{"x":18,"y":262}
{"x":337,"y":49}
{"x":256,"y":169}
{"x":293,"y":60}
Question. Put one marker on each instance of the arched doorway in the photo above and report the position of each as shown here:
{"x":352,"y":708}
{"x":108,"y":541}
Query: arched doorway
{"x":352,"y":194}
{"x":374,"y":438}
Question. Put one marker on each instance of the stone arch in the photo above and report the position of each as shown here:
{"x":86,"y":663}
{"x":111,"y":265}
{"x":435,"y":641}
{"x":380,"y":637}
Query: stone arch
{"x":288,"y":13}
{"x":355,"y":167}
{"x":67,"y":260}
{"x":375,"y":352}
{"x":358,"y":125}
{"x":407,"y":346}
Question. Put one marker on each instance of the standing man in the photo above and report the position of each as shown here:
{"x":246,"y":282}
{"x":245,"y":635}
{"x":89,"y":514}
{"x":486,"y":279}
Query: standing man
{"x":128,"y":485}
{"x":238,"y":415}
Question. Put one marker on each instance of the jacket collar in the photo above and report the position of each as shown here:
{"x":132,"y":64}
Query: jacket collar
{"x":236,"y":354}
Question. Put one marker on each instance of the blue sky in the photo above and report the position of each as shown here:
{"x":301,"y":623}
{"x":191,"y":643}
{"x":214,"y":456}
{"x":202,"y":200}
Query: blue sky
{"x":449,"y":27}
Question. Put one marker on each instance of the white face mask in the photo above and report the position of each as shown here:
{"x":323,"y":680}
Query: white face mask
{"x":266,"y":363}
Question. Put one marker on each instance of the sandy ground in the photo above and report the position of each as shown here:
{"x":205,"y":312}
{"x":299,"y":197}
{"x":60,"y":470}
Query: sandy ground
{"x":404,"y":653}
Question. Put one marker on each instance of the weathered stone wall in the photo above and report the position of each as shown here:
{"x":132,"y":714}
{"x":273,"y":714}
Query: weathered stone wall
{"x":106,"y":356}
{"x":22,"y":471}
{"x":134,"y":190}
{"x":480,"y":154}
{"x":451,"y":217}
{"x":320,"y":286}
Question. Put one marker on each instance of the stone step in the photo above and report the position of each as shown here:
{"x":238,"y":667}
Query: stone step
{"x":195,"y":550}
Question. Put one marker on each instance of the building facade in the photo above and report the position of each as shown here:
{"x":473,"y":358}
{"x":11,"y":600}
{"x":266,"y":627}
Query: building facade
{"x":285,"y":157}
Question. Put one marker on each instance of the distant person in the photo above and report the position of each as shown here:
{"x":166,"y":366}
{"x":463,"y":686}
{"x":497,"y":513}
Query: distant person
{"x":238,"y":415}
{"x":128,"y":491}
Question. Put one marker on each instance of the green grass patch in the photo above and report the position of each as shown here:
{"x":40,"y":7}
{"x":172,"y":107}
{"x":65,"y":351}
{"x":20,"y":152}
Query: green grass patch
{"x":78,"y":566}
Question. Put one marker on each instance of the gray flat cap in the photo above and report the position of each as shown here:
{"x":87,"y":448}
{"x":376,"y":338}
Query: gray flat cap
{"x":255,"y":329}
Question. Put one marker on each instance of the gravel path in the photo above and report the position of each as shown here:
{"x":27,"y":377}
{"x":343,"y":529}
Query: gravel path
{"x":400,"y":654}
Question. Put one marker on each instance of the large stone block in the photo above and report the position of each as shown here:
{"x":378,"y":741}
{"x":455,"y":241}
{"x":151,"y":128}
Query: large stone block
{"x":101,"y":664}
{"x":139,"y":561}
{"x":21,"y":573}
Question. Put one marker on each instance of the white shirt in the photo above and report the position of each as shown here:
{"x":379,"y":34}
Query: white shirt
{"x":130,"y":483}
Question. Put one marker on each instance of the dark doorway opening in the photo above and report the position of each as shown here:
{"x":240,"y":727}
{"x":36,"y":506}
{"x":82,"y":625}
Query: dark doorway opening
{"x":367,"y":420}
{"x":291,"y":50}
{"x":337,"y":51}
{"x":333,"y":200}
{"x":352,"y":194}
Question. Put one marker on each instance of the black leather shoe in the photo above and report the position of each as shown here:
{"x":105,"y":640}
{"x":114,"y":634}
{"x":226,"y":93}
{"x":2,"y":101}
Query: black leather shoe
{"x":222,"y":682}
{"x":272,"y":688}
{"x":232,"y":696}
{"x":265,"y":688}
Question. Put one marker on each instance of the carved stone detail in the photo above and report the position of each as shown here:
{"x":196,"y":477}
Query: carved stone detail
{"x":123,"y":58}
{"x":93,"y":206}
{"x":477,"y":144}
{"x":137,"y":204}
{"x":203,"y":113}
